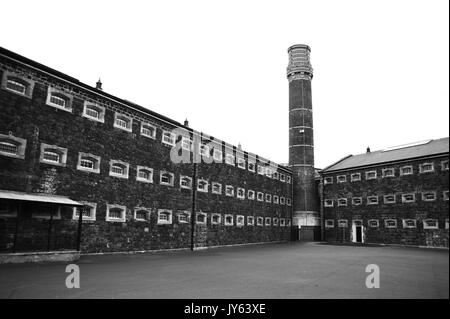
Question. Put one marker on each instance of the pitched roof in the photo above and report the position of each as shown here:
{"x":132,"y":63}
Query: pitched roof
{"x":392,"y":154}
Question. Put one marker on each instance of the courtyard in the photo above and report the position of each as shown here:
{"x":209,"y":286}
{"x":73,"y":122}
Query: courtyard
{"x":276,"y":271}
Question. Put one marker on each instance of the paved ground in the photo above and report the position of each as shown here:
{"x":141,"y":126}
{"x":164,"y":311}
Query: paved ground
{"x":289,"y":270}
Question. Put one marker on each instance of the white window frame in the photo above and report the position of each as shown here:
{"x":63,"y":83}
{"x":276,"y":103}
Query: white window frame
{"x":123,"y":209}
{"x":328,"y":180}
{"x":204,"y":182}
{"x":288,"y":222}
{"x":342,"y":220}
{"x":445,"y":195}
{"x":213,"y":184}
{"x":443,"y":165}
{"x":260,"y":169}
{"x":251,"y":194}
{"x":226,"y":222}
{"x":421,"y":169}
{"x":353,"y":177}
{"x":427,"y":226}
{"x":204,"y":150}
{"x":341,"y":179}
{"x":229,"y":159}
{"x":282,"y":200}
{"x":227,"y":190}
{"x":127,"y":119}
{"x":329,"y":223}
{"x":282,"y":222}
{"x":240,"y":220}
{"x":268,"y":198}
{"x":17,"y":78}
{"x":183,"y":213}
{"x":250,"y":221}
{"x":184,"y":177}
{"x":276,"y":199}
{"x":259,"y":221}
{"x":168,"y":138}
{"x":354,"y":203}
{"x":68,"y":98}
{"x":124,"y":164}
{"x":241,"y":162}
{"x":372,"y":197}
{"x":405,"y":221}
{"x":62,"y":152}
{"x":91,"y":217}
{"x":267,"y":221}
{"x":144,"y":126}
{"x":282,"y":177}
{"x":288,"y":201}
{"x":384,"y":170}
{"x":172,"y":176}
{"x":390,"y":220}
{"x":242,"y":190}
{"x":217,"y":155}
{"x":275,"y":221}
{"x":402,"y":170}
{"x":404,"y":200}
{"x":342,"y":204}
{"x":427,"y":193}
{"x":98,"y":108}
{"x":20,"y":144}
{"x":216,"y":222}
{"x":260,"y":196}
{"x":269,"y":171}
{"x":141,"y":209}
{"x":369,"y":223}
{"x":288,"y":179}
{"x":204,"y":222}
{"x":161,"y":221}
{"x":446,"y":223}
{"x":141,"y":179}
{"x":90,"y":157}
{"x":368,"y":178}
{"x":386,"y":201}
{"x":328,"y":203}
{"x":251,"y":166}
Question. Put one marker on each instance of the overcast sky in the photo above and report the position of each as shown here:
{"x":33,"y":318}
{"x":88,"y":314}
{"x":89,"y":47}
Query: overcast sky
{"x":381,"y":68}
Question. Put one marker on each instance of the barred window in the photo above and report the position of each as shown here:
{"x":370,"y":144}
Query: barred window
{"x":426,"y":167}
{"x":409,"y":223}
{"x":141,"y":214}
{"x":406,"y":170}
{"x":342,"y":202}
{"x":240,"y":193}
{"x":371,"y":175}
{"x":390,"y":223}
{"x":164,"y":217}
{"x":251,"y":194}
{"x":388,"y":172}
{"x":329,"y":223}
{"x":389,"y":199}
{"x":52,"y":154}
{"x":148,"y":130}
{"x":355,"y":177}
{"x":250,"y":220}
{"x":123,"y":122}
{"x":341,"y":178}
{"x":168,"y":138}
{"x":166,"y":178}
{"x":118,"y":169}
{"x":228,"y":220}
{"x":430,"y":224}
{"x":216,"y":188}
{"x":429,"y":196}
{"x":144,"y":174}
{"x":356,"y":201}
{"x":185,"y":182}
{"x":17,"y":84}
{"x":89,"y":211}
{"x":202,"y":185}
{"x":215,"y":219}
{"x":229,"y":190}
{"x":372,"y":200}
{"x":115,"y":213}
{"x":59,"y":99}
{"x":88,"y":162}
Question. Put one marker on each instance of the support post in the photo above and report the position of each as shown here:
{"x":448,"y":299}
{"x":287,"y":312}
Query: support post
{"x":80,"y":223}
{"x":19,"y":212}
{"x":50,"y":222}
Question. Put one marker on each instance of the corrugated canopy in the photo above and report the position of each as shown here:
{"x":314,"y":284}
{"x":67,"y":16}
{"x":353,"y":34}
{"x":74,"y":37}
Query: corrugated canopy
{"x":35,"y":197}
{"x":429,"y":148}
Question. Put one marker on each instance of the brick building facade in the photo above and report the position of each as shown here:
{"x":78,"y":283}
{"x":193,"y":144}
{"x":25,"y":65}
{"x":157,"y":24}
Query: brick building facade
{"x":393,"y":196}
{"x":139,"y":173}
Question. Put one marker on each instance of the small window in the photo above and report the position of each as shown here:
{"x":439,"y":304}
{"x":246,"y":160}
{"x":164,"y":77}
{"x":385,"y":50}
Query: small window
{"x":89,"y":211}
{"x":216,"y":219}
{"x":356,"y":201}
{"x":144,"y":174}
{"x":275,"y":221}
{"x":229,"y":159}
{"x":228,"y":220}
{"x":342,"y":202}
{"x":371,"y":175}
{"x":408,"y":198}
{"x":240,"y":220}
{"x":202,"y":185}
{"x":122,"y":122}
{"x":268,"y":172}
{"x":166,"y":178}
{"x":59,"y":99}
{"x":52,"y":154}
{"x":426,"y":168}
{"x":260,"y":196}
{"x":168,"y":138}
{"x":329,"y":203}
{"x":406,"y":170}
{"x":268,"y":198}
{"x":12,"y":146}
{"x":250,"y":220}
{"x":409,"y":223}
{"x":268,"y":221}
{"x":372,"y":200}
{"x":93,"y":111}
{"x":373,"y":223}
{"x":259,"y":221}
{"x":282,"y":200}
{"x":288,"y":222}
{"x":390,"y":223}
{"x":251,"y":167}
{"x":183,"y":217}
{"x":216,"y":188}
{"x":141,"y":214}
{"x":388,"y":172}
{"x":240,"y":193}
{"x":329,"y":223}
{"x":201,"y":218}
{"x":260,"y":169}
{"x":343,"y":223}
{"x":148,"y":130}
{"x":204,"y":150}
{"x":118,"y":169}
{"x":217,"y":155}
{"x":275,"y":175}
{"x":164,"y":217}
{"x":282,"y":222}
{"x":357,"y":222}
{"x":251,"y":194}
{"x":241,"y":162}
{"x":17,"y":84}
{"x":389,"y":199}
{"x":288,"y":201}
{"x":115,"y":213}
{"x":275,"y":199}
{"x":282,"y":177}
{"x":229,"y":190}
{"x":88,"y":162}
{"x":445,"y":195}
{"x":288,"y":179}
{"x":341,"y":179}
{"x":429,"y":196}
{"x":185,"y":182}
{"x":444,"y":165}
{"x":355,"y":177}
{"x":328,"y":180}
{"x":446,"y":223}
{"x":430,"y":224}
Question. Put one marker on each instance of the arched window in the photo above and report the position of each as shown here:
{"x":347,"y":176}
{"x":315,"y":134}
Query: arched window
{"x":148,"y":130}
{"x":164,"y":216}
{"x":8,"y":147}
{"x":141,"y":214}
{"x":144,"y":174}
{"x":52,"y":154}
{"x":17,"y":83}
{"x":59,"y":99}
{"x":118,"y":169}
{"x":88,"y":162}
{"x":123,"y":122}
{"x":94,"y":112}
{"x":186,"y":182}
{"x":115,"y":213}
{"x":166,"y":178}
{"x":12,"y":146}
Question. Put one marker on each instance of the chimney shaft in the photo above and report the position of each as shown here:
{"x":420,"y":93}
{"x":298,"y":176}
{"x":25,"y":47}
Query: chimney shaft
{"x":98,"y":85}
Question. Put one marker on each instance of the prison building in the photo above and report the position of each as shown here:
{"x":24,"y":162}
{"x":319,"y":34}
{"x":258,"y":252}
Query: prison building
{"x":79,"y":166}
{"x":398,"y":195}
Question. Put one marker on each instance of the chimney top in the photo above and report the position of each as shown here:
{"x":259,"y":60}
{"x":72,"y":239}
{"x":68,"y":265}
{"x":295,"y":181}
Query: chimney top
{"x":98,"y":85}
{"x":368,"y":149}
{"x":186,"y":122}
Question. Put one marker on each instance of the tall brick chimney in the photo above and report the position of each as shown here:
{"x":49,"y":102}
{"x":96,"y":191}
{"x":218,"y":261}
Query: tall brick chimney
{"x":301,"y":142}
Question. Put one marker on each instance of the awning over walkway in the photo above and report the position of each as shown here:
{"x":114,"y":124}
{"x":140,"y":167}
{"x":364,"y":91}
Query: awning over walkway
{"x":36,"y":197}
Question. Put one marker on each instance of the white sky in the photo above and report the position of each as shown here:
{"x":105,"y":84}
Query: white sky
{"x":381,"y":68}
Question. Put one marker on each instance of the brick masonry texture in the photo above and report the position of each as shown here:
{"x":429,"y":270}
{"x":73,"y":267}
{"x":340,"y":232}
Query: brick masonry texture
{"x":419,"y":210}
{"x":33,"y":120}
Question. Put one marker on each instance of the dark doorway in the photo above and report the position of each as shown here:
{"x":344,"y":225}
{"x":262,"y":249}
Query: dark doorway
{"x":358,"y":230}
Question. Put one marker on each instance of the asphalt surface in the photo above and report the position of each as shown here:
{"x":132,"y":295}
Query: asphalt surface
{"x":276,"y":271}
